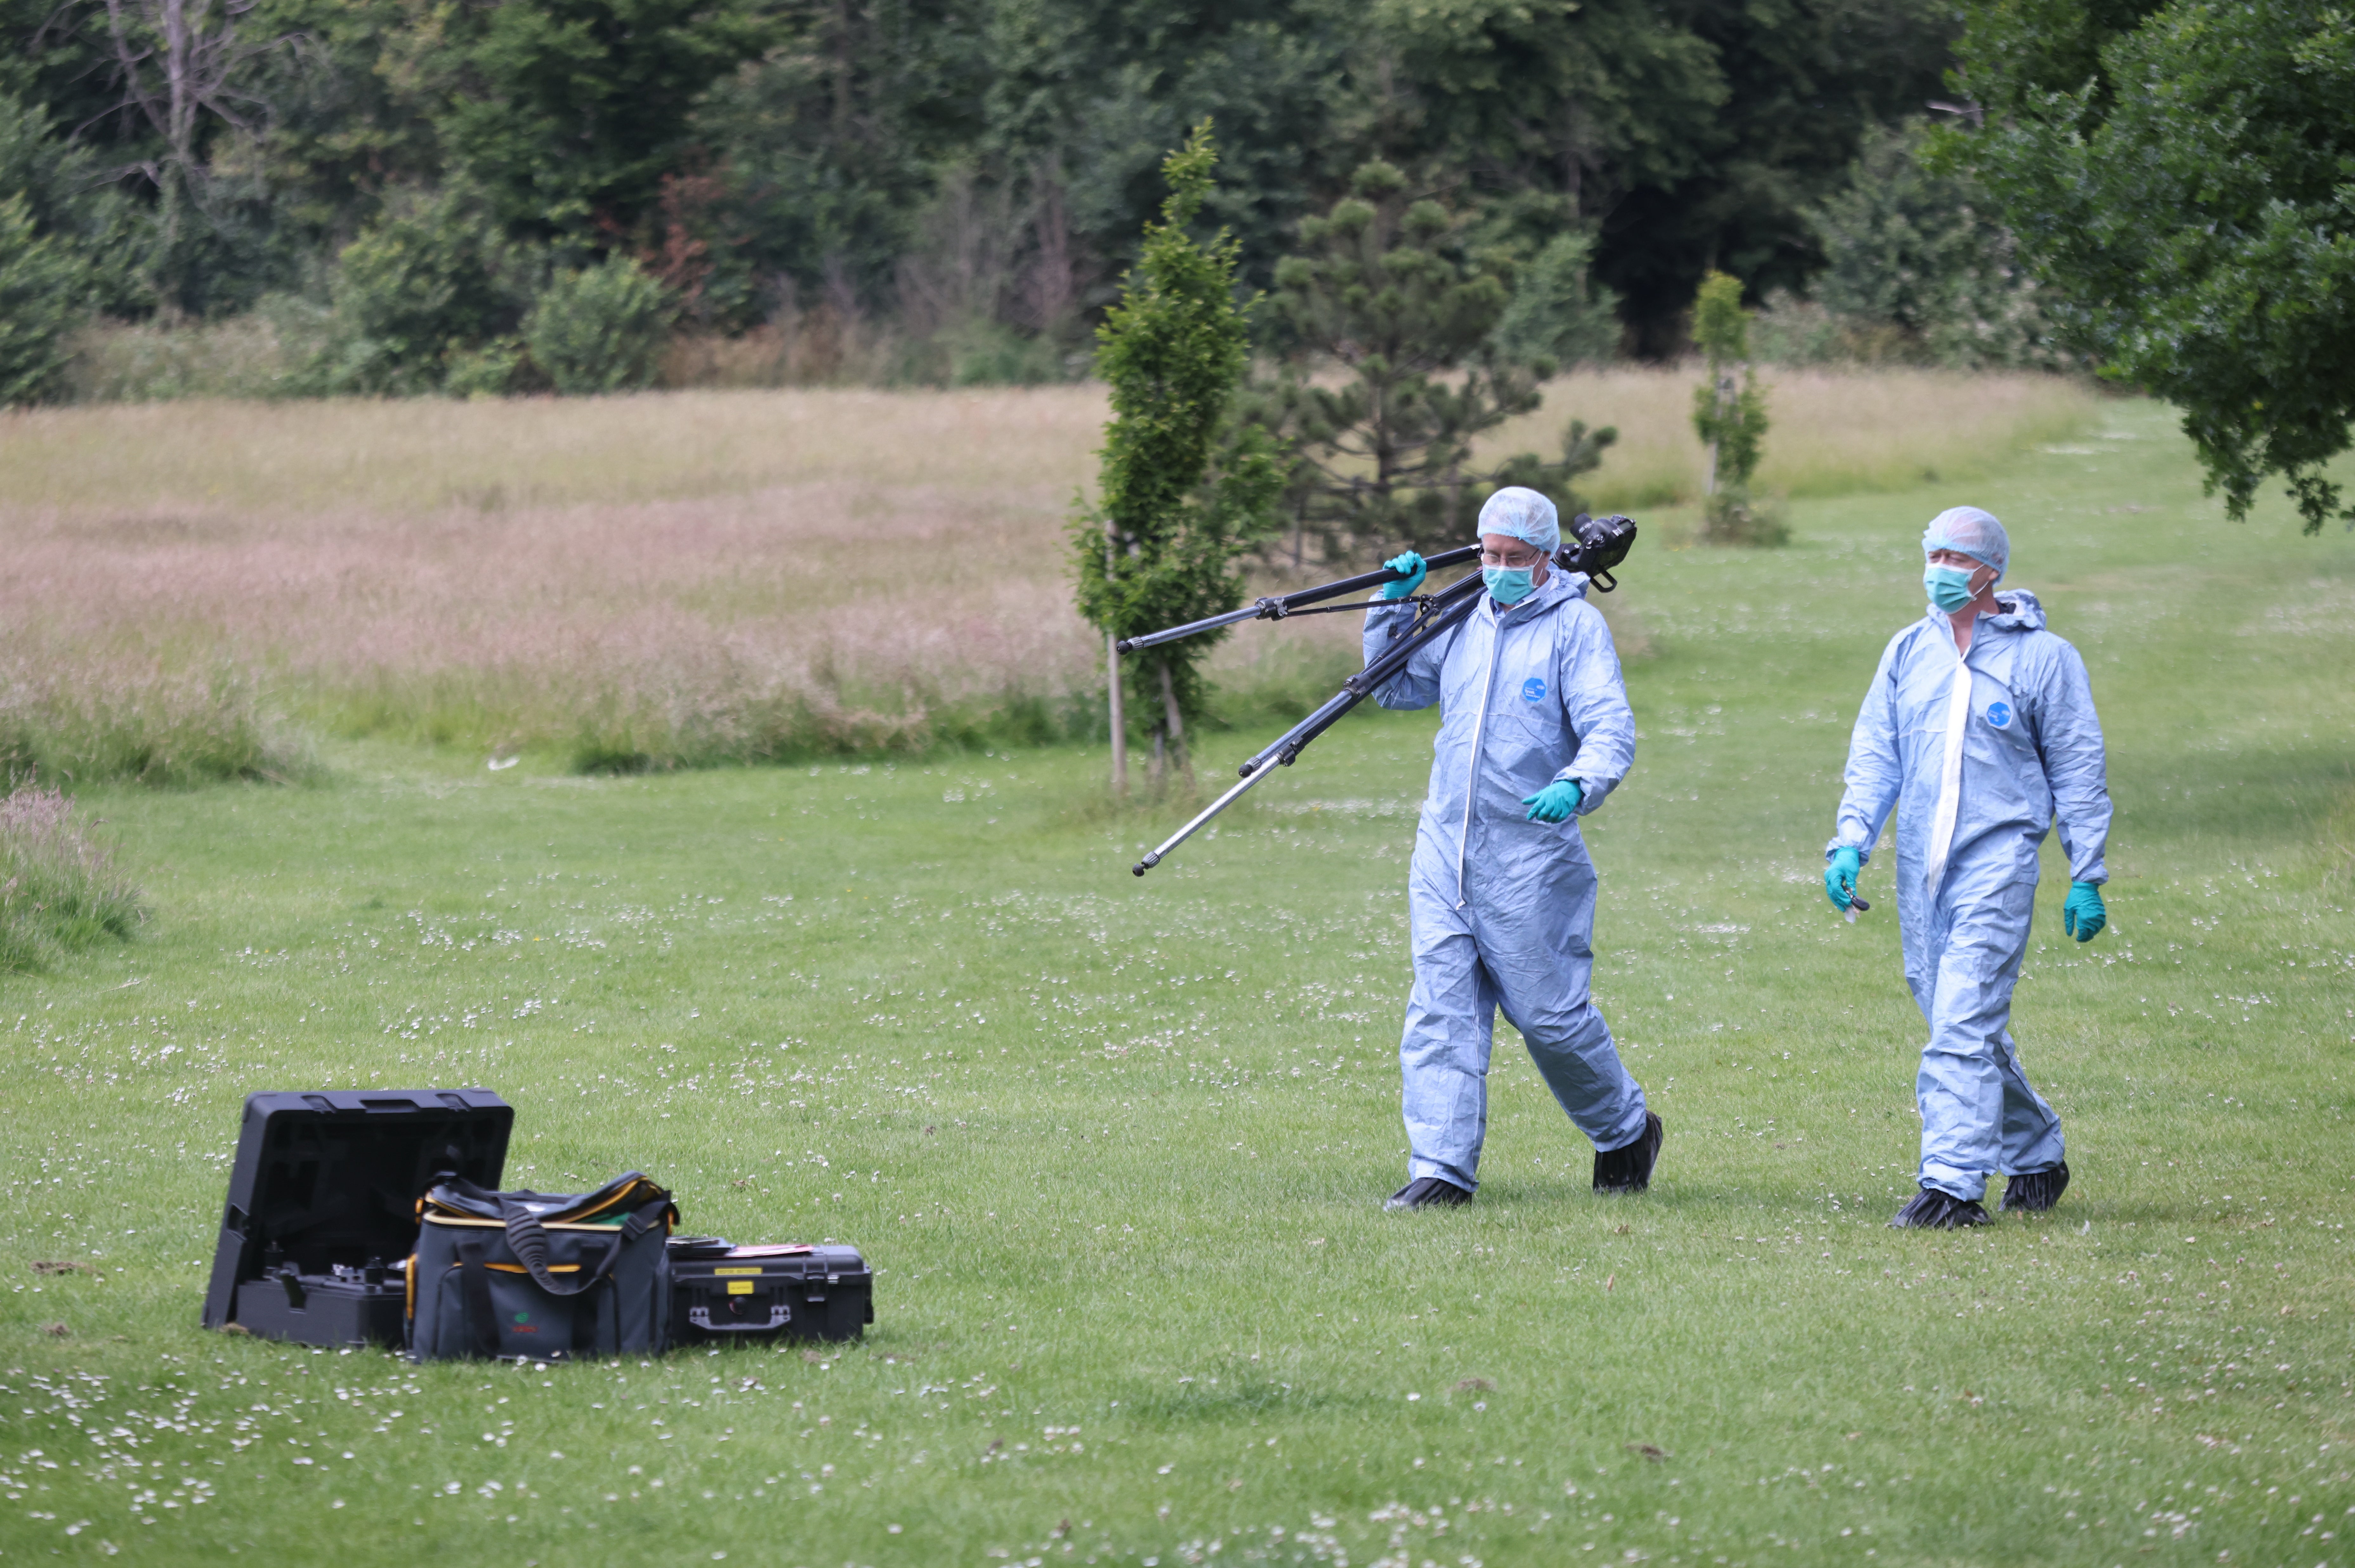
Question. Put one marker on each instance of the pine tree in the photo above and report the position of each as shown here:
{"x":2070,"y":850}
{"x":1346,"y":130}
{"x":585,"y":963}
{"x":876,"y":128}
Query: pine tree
{"x":1183,"y":492}
{"x":1384,"y":289}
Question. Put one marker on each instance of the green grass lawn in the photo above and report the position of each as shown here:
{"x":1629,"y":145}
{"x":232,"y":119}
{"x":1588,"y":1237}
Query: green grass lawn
{"x":1118,"y":1148}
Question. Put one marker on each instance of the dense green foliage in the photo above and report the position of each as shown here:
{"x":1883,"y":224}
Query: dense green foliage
{"x":972,"y":172}
{"x":1558,"y":313}
{"x":1917,"y":269}
{"x":2179,"y":175}
{"x":1387,"y":289}
{"x":1183,"y":490}
{"x":426,"y":285}
{"x":39,"y":283}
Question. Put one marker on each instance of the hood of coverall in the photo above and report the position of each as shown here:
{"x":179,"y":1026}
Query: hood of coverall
{"x":2022,"y":613}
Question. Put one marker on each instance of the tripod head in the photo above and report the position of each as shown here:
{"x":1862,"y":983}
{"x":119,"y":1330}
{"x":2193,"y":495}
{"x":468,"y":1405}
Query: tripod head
{"x":1596,"y":545}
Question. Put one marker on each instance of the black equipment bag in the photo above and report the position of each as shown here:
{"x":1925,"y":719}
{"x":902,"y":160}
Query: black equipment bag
{"x":322,"y":1205}
{"x":721,"y":1293}
{"x":541,"y":1277}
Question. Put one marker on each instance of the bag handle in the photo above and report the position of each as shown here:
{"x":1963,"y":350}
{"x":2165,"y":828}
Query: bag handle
{"x":527,"y":1239}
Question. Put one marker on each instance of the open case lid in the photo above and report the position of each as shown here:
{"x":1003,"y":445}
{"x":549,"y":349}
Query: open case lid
{"x":333,"y":1175}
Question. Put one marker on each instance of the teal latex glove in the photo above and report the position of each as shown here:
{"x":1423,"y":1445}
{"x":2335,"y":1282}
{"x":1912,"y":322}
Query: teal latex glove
{"x":1557,"y":800}
{"x":2081,"y":914}
{"x":1839,"y":876}
{"x":1410,"y":563}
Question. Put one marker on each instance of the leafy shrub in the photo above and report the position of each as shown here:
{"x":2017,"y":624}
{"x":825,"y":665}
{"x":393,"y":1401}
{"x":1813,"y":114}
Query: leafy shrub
{"x":491,"y":370}
{"x":984,"y":353}
{"x":59,"y":892}
{"x":599,"y":329}
{"x":429,"y":281}
{"x":1732,"y":515}
{"x":40,"y":303}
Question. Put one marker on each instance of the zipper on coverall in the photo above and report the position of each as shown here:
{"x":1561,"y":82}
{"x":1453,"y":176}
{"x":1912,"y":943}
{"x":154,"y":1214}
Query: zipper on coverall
{"x":1479,"y":727}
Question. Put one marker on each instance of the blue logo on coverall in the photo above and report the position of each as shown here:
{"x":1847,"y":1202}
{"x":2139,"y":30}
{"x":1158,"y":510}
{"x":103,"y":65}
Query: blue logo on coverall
{"x":2000,"y":714}
{"x":1533,"y":689}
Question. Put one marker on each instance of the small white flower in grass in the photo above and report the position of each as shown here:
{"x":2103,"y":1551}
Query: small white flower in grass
{"x":1412,"y":1397}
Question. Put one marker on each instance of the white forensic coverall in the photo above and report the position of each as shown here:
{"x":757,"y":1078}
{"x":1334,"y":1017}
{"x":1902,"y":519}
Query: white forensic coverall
{"x":1977,"y":772}
{"x":1503,"y":907}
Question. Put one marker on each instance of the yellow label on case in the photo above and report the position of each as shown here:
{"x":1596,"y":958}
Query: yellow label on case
{"x":739,"y":1287}
{"x":729,"y":1271}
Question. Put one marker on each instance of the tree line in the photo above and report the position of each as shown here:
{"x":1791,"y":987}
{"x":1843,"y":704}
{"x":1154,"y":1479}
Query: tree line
{"x":977,"y":171}
{"x":487,"y":196}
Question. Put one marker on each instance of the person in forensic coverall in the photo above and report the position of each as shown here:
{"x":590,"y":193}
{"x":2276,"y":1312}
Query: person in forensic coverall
{"x":1534,"y":731}
{"x":1980,"y":729}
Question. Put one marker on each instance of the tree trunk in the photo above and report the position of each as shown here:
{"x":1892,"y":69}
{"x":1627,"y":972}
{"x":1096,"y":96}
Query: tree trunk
{"x":1175,"y":725}
{"x":844,"y":67}
{"x":1119,"y":723}
{"x":1724,"y":399}
{"x":1112,"y":659}
{"x":1051,"y":278}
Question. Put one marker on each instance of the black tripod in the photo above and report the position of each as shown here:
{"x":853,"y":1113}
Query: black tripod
{"x":1598,"y":544}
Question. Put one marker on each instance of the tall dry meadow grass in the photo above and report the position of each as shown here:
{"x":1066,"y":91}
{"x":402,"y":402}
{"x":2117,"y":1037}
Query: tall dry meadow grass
{"x":681,"y":579}
{"x":59,"y":889}
{"x":1832,"y":433}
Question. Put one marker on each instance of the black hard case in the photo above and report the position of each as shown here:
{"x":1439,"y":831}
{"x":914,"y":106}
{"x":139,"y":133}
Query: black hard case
{"x":323,"y":1205}
{"x":750,"y":1294}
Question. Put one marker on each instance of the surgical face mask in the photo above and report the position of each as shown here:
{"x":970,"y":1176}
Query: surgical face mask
{"x":1508,"y":585}
{"x":1949,"y":586}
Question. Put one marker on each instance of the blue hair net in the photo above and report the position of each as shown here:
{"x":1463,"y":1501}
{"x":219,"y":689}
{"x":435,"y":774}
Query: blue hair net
{"x":1968,"y":531}
{"x":1526,"y":515}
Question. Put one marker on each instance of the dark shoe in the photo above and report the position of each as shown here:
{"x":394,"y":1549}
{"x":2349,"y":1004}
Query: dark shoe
{"x":1934,"y":1211}
{"x":1629,"y":1169}
{"x":1429,"y":1192}
{"x":2037,"y":1190}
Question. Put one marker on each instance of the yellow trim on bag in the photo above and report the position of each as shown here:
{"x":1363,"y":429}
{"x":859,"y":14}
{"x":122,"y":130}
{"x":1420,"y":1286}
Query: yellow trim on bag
{"x":501,"y":1225}
{"x":728,"y":1271}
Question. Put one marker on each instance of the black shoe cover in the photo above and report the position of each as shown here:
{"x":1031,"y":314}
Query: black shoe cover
{"x":1934,"y":1211}
{"x":1428,"y":1192}
{"x":2037,"y":1190}
{"x":1629,"y":1169}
